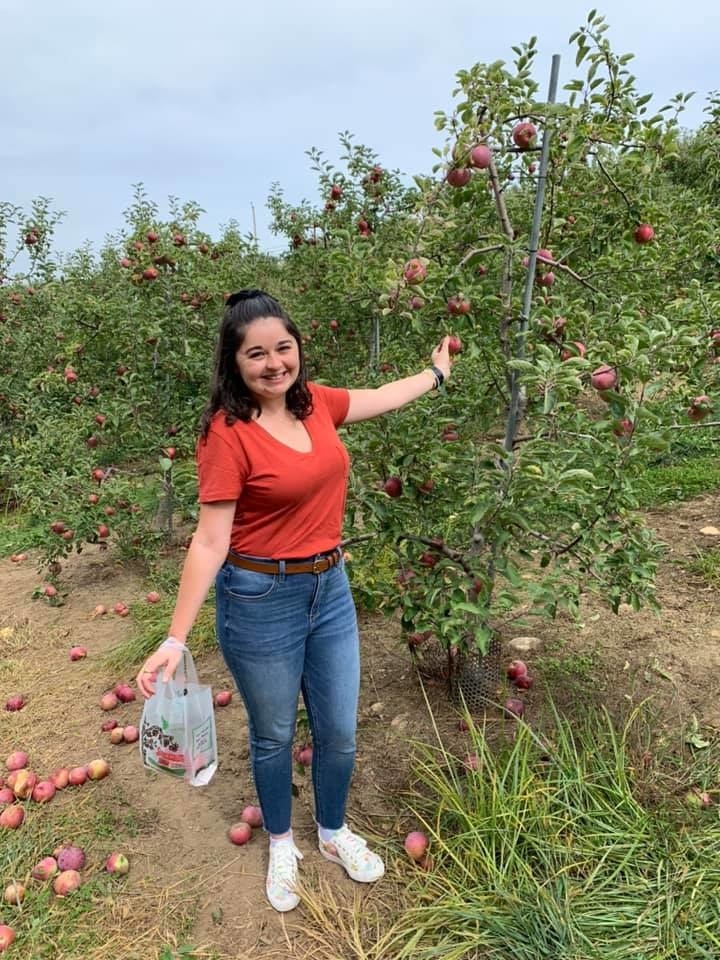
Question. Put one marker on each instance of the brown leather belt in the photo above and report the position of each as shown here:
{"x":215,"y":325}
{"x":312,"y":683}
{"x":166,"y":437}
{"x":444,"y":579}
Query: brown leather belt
{"x":318,"y":564}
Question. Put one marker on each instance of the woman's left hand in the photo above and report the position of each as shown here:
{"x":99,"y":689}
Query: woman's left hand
{"x":441,"y":356}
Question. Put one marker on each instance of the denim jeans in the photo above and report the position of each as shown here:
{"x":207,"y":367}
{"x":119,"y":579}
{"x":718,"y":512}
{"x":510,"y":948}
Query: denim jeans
{"x":279,"y":635}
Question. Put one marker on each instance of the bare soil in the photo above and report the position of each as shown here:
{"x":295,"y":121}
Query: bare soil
{"x":179,"y":841}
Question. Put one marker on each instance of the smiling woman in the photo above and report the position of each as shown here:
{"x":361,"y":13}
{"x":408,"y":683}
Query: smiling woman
{"x":273,"y":476}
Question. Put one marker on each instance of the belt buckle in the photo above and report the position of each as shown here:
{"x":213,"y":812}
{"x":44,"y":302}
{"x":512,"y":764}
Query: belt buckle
{"x":317,"y":565}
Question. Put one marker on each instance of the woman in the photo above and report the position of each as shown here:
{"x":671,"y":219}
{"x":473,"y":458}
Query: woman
{"x":273,"y":475}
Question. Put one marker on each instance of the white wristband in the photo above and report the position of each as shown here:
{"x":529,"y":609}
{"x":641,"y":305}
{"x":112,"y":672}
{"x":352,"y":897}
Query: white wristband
{"x":173,"y":643}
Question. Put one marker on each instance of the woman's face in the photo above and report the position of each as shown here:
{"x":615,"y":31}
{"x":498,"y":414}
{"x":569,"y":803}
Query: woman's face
{"x":268,"y":359}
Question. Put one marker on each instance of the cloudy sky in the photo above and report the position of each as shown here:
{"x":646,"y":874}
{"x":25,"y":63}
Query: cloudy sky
{"x":213,"y":101}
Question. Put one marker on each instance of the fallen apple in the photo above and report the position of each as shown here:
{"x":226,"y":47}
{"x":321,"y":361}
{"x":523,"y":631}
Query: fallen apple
{"x":77,"y":776}
{"x":524,"y":682}
{"x":78,"y":653}
{"x":416,"y":844}
{"x":118,"y":864}
{"x":240,"y":833}
{"x":117,"y":734}
{"x":17,"y":760}
{"x":393,"y":487}
{"x":130,"y":734}
{"x":7,"y":934}
{"x":252,"y":815}
{"x":514,"y":707}
{"x":60,"y":777}
{"x":516,"y":668}
{"x":108,"y":701}
{"x":66,"y":882}
{"x":14,"y":703}
{"x":14,"y":893}
{"x":222,"y":698}
{"x":98,"y":769}
{"x":124,"y":692}
{"x":45,"y":869}
{"x":71,"y":857}
{"x":12,"y":817}
{"x":43,"y":791}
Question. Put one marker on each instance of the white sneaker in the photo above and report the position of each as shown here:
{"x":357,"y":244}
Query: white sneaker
{"x":282,"y":875}
{"x":351,"y":852}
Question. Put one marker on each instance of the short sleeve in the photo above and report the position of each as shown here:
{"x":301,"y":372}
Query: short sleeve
{"x":336,"y":399}
{"x":222,"y":465}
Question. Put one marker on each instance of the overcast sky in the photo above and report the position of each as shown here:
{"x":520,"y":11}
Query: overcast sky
{"x":214,"y":100}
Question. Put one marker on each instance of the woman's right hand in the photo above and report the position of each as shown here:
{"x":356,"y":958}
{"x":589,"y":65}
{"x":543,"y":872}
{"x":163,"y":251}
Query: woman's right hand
{"x":165,"y":659}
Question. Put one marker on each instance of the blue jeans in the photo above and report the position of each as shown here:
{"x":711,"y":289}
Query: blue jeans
{"x":279,"y":635}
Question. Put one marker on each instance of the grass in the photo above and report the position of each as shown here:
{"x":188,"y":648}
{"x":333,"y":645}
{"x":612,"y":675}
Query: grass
{"x":668,"y":482}
{"x":707,"y":565}
{"x":567,"y":846}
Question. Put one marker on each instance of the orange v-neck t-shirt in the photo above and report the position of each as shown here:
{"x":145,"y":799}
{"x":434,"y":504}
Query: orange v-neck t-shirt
{"x":289,"y":504}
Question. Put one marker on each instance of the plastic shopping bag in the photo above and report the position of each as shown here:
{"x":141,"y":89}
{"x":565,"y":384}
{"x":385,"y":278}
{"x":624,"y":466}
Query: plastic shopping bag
{"x":177,"y":727}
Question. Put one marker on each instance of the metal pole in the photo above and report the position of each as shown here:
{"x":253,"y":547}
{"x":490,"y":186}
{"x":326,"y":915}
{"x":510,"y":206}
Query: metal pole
{"x":519,"y":352}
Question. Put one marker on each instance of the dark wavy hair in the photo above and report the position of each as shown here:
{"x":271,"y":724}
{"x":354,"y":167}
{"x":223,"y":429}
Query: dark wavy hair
{"x":228,"y":391}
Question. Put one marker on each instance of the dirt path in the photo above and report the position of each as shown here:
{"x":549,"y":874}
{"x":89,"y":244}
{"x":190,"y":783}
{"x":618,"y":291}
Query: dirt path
{"x":674,"y":657}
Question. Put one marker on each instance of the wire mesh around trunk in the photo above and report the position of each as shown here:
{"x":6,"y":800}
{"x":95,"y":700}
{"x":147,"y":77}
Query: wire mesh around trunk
{"x":472,"y":678}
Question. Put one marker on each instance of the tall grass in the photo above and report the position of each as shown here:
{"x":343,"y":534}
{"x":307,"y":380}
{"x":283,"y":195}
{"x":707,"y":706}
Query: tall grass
{"x":548,"y":851}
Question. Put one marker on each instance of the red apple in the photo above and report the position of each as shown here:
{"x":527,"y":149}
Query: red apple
{"x":416,"y":844}
{"x":43,"y":791}
{"x":524,"y":681}
{"x":458,"y":176}
{"x":130,"y":734}
{"x":124,"y":692}
{"x":623,"y":428}
{"x":60,"y":777}
{"x":17,"y":760}
{"x":546,"y":279}
{"x":153,"y":596}
{"x":514,"y":707}
{"x":393,"y":487}
{"x":223,"y":698}
{"x":108,"y":701}
{"x":70,"y":857}
{"x":78,"y":653}
{"x":252,"y":815}
{"x":150,"y":274}
{"x":303,"y":755}
{"x":414,"y":272}
{"x":517,"y":668}
{"x":118,"y":864}
{"x":12,"y":817}
{"x":117,"y":735}
{"x":699,"y":408}
{"x":6,"y":796}
{"x":481,"y":156}
{"x":604,"y":377}
{"x":66,"y":882}
{"x":523,"y":134}
{"x":644,"y":233}
{"x":240,"y":833}
{"x":454,"y":346}
{"x":44,"y":869}
{"x":458,"y":306}
{"x":77,"y":776}
{"x":7,"y":934}
{"x":109,"y":725}
{"x":574,"y":349}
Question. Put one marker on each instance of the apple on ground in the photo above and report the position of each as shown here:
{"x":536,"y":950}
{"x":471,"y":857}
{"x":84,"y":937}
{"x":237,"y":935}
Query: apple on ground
{"x":252,"y":815}
{"x":118,"y":864}
{"x":124,"y":692}
{"x":131,"y":734}
{"x":393,"y":486}
{"x":70,"y":857}
{"x":524,"y":682}
{"x":699,"y":408}
{"x":77,"y":776}
{"x":98,"y":769}
{"x":514,"y":707}
{"x":7,"y":934}
{"x":6,"y":796}
{"x":14,"y":893}
{"x":24,"y":782}
{"x":78,"y":653}
{"x":303,"y":755}
{"x":43,"y":791}
{"x":153,"y":596}
{"x":117,"y":735}
{"x":12,"y":817}
{"x":66,"y":882}
{"x":108,"y":701}
{"x":45,"y":869}
{"x":223,"y":698}
{"x":516,"y":668}
{"x":240,"y":833}
{"x":416,"y":844}
{"x":60,"y":777}
{"x":17,"y":760}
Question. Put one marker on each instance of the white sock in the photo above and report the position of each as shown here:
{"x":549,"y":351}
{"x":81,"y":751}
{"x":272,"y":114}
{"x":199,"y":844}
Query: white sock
{"x":326,"y":835}
{"x":287,"y":839}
